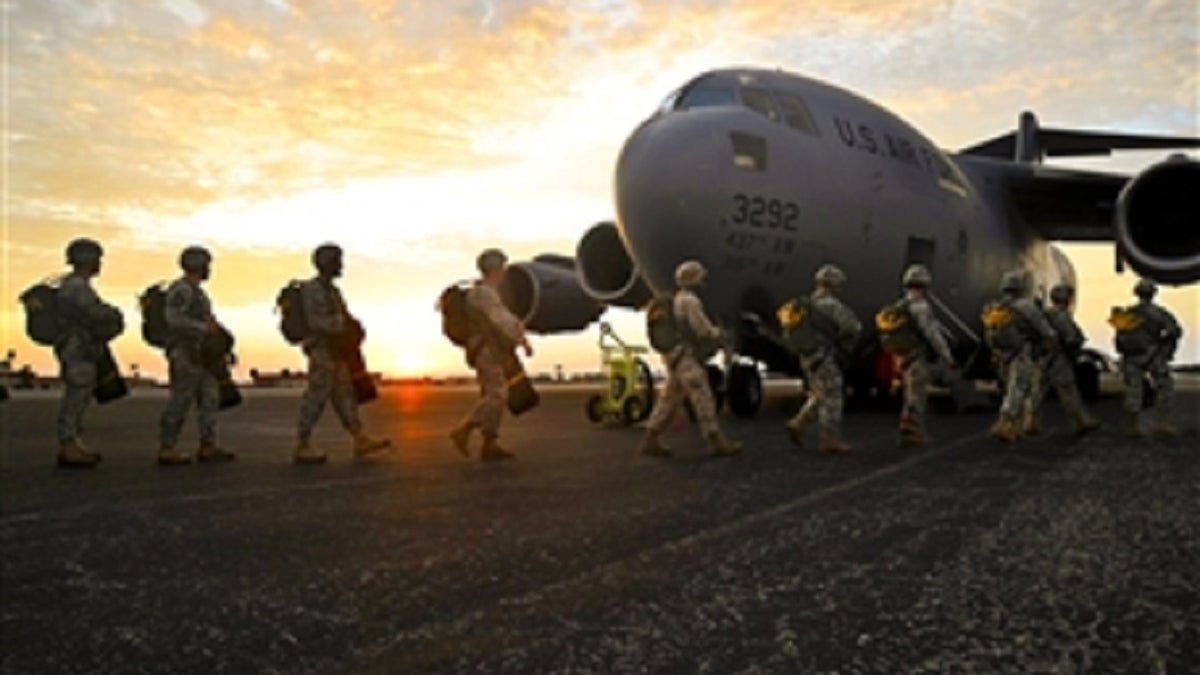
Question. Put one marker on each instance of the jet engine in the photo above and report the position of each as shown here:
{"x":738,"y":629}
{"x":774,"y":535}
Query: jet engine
{"x":606,"y":270}
{"x":1158,"y":221}
{"x":545,"y":294}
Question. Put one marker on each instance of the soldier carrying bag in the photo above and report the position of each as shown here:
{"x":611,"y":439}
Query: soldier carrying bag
{"x":806,"y":329}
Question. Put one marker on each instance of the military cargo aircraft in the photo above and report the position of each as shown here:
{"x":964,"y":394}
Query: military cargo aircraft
{"x":765,"y":175}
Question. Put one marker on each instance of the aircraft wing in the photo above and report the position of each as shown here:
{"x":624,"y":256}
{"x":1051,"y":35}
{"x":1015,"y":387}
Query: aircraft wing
{"x":1065,"y":204}
{"x":1071,"y":143}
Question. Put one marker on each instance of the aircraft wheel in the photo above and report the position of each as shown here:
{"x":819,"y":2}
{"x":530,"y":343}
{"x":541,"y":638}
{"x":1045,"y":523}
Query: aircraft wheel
{"x":595,"y":408}
{"x":633,"y":410}
{"x":1087,"y":378}
{"x":745,"y":390}
{"x":645,"y":390}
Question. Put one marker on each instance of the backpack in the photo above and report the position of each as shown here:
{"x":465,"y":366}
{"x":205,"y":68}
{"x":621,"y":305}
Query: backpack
{"x":897,"y":334}
{"x":1002,"y":326}
{"x":458,"y":323}
{"x":293,"y":323}
{"x":41,"y":313}
{"x":1134,"y":329}
{"x":805,"y":327}
{"x":153,"y":302}
{"x":664,"y":330}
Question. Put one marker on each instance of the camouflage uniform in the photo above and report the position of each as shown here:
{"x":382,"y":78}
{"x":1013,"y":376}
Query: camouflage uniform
{"x":80,"y":311}
{"x":686,"y":375}
{"x":1017,"y":366}
{"x":821,"y":369}
{"x":489,"y":369}
{"x":1155,"y":364}
{"x":914,"y":365}
{"x":329,"y":378}
{"x":1056,"y":369}
{"x":188,"y":314}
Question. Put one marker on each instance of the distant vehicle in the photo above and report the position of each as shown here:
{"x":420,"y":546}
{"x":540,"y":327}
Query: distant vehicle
{"x":765,"y":175}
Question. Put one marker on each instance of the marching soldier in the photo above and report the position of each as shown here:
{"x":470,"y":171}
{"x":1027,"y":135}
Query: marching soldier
{"x":83,"y":318}
{"x":686,"y":376}
{"x":189,"y":320}
{"x":821,"y":369}
{"x":913,"y":355}
{"x":1153,"y":339}
{"x":329,"y":376}
{"x":1020,"y":325}
{"x":499,"y":332}
{"x":1056,"y":368}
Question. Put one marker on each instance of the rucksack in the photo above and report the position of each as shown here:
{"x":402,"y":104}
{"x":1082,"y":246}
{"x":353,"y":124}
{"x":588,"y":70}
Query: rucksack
{"x":41,"y":312}
{"x":153,"y":302}
{"x":458,"y":324}
{"x":1134,"y":331}
{"x":805,"y":327}
{"x":293,"y":322}
{"x":1002,"y":326}
{"x":664,"y":330}
{"x":895,"y":327}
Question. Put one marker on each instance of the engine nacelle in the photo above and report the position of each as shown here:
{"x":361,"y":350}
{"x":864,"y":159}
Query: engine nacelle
{"x":606,"y":270}
{"x":545,"y":294}
{"x":1158,"y":221}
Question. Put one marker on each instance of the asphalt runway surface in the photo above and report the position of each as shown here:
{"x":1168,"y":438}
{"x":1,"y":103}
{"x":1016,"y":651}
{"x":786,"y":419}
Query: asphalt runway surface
{"x":1056,"y":555}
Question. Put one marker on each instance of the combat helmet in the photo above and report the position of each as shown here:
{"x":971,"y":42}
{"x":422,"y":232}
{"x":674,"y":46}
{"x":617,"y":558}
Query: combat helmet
{"x":830,"y":275}
{"x":690,"y":274}
{"x":1013,"y":282}
{"x":1062,"y":293}
{"x":327,"y":258}
{"x":917,"y":275}
{"x":1145,"y":289}
{"x":195,"y":259}
{"x":84,"y":251}
{"x":490,"y":260}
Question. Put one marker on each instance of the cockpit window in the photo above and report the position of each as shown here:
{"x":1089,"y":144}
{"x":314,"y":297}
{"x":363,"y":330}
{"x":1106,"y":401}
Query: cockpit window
{"x":761,"y":102}
{"x":797,"y":114}
{"x":703,"y":97}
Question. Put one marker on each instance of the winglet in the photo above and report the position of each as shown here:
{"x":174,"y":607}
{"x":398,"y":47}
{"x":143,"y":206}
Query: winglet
{"x":1030,"y":144}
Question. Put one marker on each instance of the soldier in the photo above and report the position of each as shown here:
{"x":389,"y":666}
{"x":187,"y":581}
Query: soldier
{"x":686,"y":376}
{"x":913,"y":362}
{"x":821,"y":369}
{"x":189,"y":319}
{"x":1056,"y":368}
{"x":499,"y":333}
{"x":1160,"y":332}
{"x":82,"y":318}
{"x":329,"y":376}
{"x":1013,"y":341}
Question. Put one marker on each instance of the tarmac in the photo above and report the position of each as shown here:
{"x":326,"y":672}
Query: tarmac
{"x":1054,"y":555}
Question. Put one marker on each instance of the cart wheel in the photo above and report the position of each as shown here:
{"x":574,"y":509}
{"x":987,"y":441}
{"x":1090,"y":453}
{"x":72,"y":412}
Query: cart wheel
{"x":633,"y":410}
{"x":595,"y":408}
{"x":645,"y":390}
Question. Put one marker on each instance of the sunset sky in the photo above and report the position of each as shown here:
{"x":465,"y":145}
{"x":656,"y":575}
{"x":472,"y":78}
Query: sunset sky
{"x":417,"y":133}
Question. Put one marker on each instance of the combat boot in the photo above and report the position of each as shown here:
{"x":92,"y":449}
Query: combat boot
{"x":1132,"y":429}
{"x":832,"y":443}
{"x":1165,"y":430}
{"x":1085,"y":424}
{"x":306,"y":454}
{"x":720,"y":446}
{"x":72,"y":455}
{"x":365,"y":445}
{"x":911,"y":433}
{"x":210,"y":452}
{"x":1005,"y":429}
{"x":653,"y":446}
{"x":795,"y":429}
{"x":492,"y":452}
{"x":1031,"y":425}
{"x":461,"y":437}
{"x":168,"y":456}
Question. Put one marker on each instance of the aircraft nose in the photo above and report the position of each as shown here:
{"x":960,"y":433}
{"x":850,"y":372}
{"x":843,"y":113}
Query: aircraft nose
{"x":667,"y":191}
